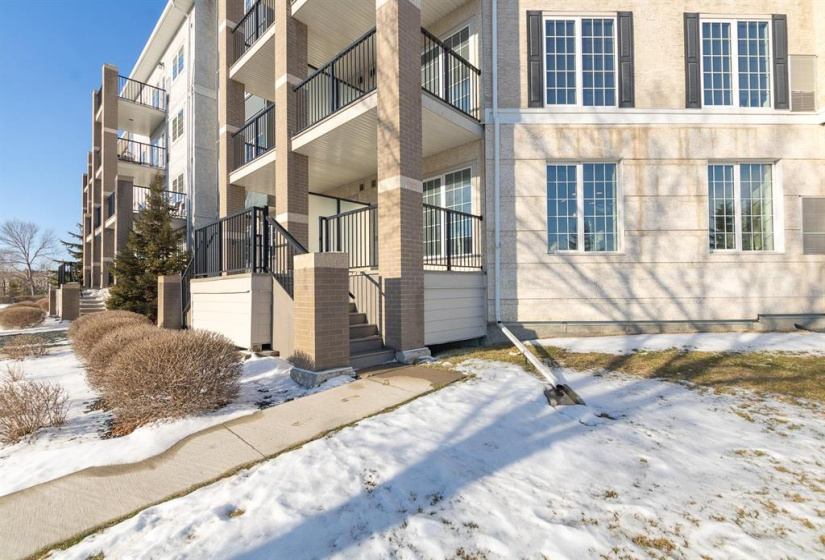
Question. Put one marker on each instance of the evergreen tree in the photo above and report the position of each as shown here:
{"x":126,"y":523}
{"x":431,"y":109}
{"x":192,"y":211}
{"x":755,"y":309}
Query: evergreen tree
{"x":153,"y":249}
{"x":74,"y":246}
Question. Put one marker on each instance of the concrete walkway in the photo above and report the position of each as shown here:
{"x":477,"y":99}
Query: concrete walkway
{"x":50,"y":513}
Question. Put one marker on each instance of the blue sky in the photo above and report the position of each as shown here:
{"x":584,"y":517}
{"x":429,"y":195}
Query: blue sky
{"x":51,"y":52}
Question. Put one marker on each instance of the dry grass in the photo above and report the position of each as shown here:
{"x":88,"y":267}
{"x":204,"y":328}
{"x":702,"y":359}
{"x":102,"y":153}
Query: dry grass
{"x":90,"y":333}
{"x":81,"y":322}
{"x":21,"y":317}
{"x":792,"y":376}
{"x":27,"y":406}
{"x":43,"y":304}
{"x":25,"y":346}
{"x":31,"y":304}
{"x":109,"y":346}
{"x":171,"y":375}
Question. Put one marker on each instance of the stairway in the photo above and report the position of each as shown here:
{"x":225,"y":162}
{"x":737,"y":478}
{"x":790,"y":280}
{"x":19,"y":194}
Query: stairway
{"x":366,"y":349}
{"x":91,"y":301}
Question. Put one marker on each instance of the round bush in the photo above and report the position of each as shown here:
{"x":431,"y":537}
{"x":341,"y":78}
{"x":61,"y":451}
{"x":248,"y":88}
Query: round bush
{"x":25,"y":304}
{"x":24,"y":346}
{"x":173,"y":374}
{"x":21,"y":317}
{"x":81,"y":323}
{"x":110,"y":345}
{"x":85,"y":340}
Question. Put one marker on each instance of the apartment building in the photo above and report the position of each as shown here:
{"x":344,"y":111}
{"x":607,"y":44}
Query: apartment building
{"x":576,"y":166}
{"x":160,"y":119}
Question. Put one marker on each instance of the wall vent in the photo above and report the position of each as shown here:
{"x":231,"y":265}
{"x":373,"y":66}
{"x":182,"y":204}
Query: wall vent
{"x":803,"y":83}
{"x":813,"y":226}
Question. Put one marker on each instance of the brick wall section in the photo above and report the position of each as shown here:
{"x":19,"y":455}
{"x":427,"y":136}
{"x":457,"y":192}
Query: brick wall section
{"x":108,"y":160}
{"x":291,"y":169}
{"x":123,"y":211}
{"x":398,"y":24}
{"x":169,"y":302}
{"x":69,"y":302}
{"x":321,"y":311}
{"x":231,"y":198}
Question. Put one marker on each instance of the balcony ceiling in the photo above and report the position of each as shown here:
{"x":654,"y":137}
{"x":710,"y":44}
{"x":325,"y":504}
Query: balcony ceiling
{"x":258,"y":175}
{"x":140,"y":174}
{"x":334,"y":24}
{"x":137,"y":118}
{"x":343,"y":148}
{"x":256,"y":68}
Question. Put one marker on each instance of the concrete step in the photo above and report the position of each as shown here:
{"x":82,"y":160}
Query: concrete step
{"x":360,"y":331}
{"x":364,"y":360}
{"x":365,"y":344}
{"x":357,"y":319}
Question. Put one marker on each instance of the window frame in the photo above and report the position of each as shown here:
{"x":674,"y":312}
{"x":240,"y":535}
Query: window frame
{"x":734,"y":55}
{"x":177,"y":122}
{"x":579,"y":163}
{"x":577,"y":30}
{"x":777,"y":194}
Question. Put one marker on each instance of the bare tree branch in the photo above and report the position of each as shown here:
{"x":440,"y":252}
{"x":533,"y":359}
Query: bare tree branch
{"x":26,"y":248}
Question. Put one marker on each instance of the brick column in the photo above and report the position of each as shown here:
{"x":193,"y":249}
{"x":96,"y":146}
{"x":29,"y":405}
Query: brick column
{"x":291,"y":169}
{"x":400,"y":259}
{"x":124,"y":216}
{"x":53,"y":301}
{"x":169,"y":302}
{"x":321,"y":316}
{"x":231,"y":198}
{"x":108,"y":161}
{"x":69,"y":302}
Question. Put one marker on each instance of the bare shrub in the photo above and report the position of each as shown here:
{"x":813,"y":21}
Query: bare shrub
{"x":110,"y":345}
{"x":173,"y":374}
{"x":21,"y":317}
{"x":25,"y":346}
{"x":31,"y":304}
{"x":86,"y":320}
{"x":43,"y":303}
{"x":5,"y":299}
{"x":87,"y":338}
{"x":27,"y":406}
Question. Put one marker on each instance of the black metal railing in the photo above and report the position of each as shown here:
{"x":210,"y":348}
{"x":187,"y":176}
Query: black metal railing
{"x":452,"y":239}
{"x":253,"y":24}
{"x":345,"y":79}
{"x":148,"y":155}
{"x":111,"y":202}
{"x":355,"y":233}
{"x":65,"y":273}
{"x":186,"y":290}
{"x":175,"y":200}
{"x":248,"y":241}
{"x":138,"y":92}
{"x":256,"y":137}
{"x":98,"y":97}
{"x":449,"y":76}
{"x":97,"y":217}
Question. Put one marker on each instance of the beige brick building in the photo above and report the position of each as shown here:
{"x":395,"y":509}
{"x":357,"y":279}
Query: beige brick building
{"x":578,"y":166}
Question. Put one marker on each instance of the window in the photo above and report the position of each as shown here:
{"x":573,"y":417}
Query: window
{"x":452,"y":191}
{"x":177,"y":184}
{"x":741,"y":206}
{"x":743,"y":47}
{"x":432,"y":71}
{"x":177,"y":126}
{"x":582,"y":205}
{"x":580,"y":61}
{"x":177,"y":64}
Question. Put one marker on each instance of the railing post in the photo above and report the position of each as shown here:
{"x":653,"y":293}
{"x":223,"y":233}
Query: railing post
{"x":265,"y":250}
{"x":253,"y":241}
{"x":449,"y":239}
{"x":446,"y":70}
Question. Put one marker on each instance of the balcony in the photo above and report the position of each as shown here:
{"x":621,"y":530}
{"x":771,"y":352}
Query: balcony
{"x":141,"y":107}
{"x":253,"y":62}
{"x":337,"y":110}
{"x":253,"y":154}
{"x":140,"y":161}
{"x":175,"y":200}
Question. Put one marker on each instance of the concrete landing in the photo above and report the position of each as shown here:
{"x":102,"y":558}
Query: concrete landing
{"x":48,"y":514}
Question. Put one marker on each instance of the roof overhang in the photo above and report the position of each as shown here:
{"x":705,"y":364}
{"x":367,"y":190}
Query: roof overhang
{"x":173,"y":16}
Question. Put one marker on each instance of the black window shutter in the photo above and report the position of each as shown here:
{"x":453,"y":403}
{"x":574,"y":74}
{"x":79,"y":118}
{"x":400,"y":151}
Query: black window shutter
{"x":535,"y":82}
{"x":693,"y":82}
{"x":627,"y":87}
{"x":780,"y":62}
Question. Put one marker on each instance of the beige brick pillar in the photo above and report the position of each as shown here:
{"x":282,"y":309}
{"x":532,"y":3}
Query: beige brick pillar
{"x":291,"y":169}
{"x":69,"y":308}
{"x":124,"y":199}
{"x":231,"y":198}
{"x":169,"y":302}
{"x":108,"y":162}
{"x":321,"y":316}
{"x":53,"y":301}
{"x":400,"y":259}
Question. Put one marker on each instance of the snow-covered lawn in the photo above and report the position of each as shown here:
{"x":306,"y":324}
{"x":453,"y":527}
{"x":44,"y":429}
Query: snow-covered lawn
{"x":485,"y":469}
{"x":49,"y":324}
{"x":804,"y":342}
{"x":79,"y":444}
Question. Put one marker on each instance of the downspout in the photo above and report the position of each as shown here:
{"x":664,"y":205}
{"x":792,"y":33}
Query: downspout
{"x":189,"y":64}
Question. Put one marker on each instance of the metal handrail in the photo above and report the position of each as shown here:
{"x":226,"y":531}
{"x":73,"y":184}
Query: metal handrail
{"x":176,"y":201}
{"x":450,"y":77}
{"x":141,"y":93}
{"x":354,"y":232}
{"x":132,"y":151}
{"x":252,"y":26}
{"x":248,"y":142}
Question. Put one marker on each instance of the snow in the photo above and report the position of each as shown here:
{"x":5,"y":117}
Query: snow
{"x":485,"y":469}
{"x":796,"y":342}
{"x":77,"y":445}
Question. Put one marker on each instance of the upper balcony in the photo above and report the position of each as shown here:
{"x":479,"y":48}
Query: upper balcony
{"x":337,"y":109}
{"x":252,"y":154}
{"x":140,"y":161}
{"x":253,"y":38}
{"x":141,"y":108}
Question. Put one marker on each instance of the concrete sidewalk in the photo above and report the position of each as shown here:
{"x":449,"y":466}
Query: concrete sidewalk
{"x":56,"y":511}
